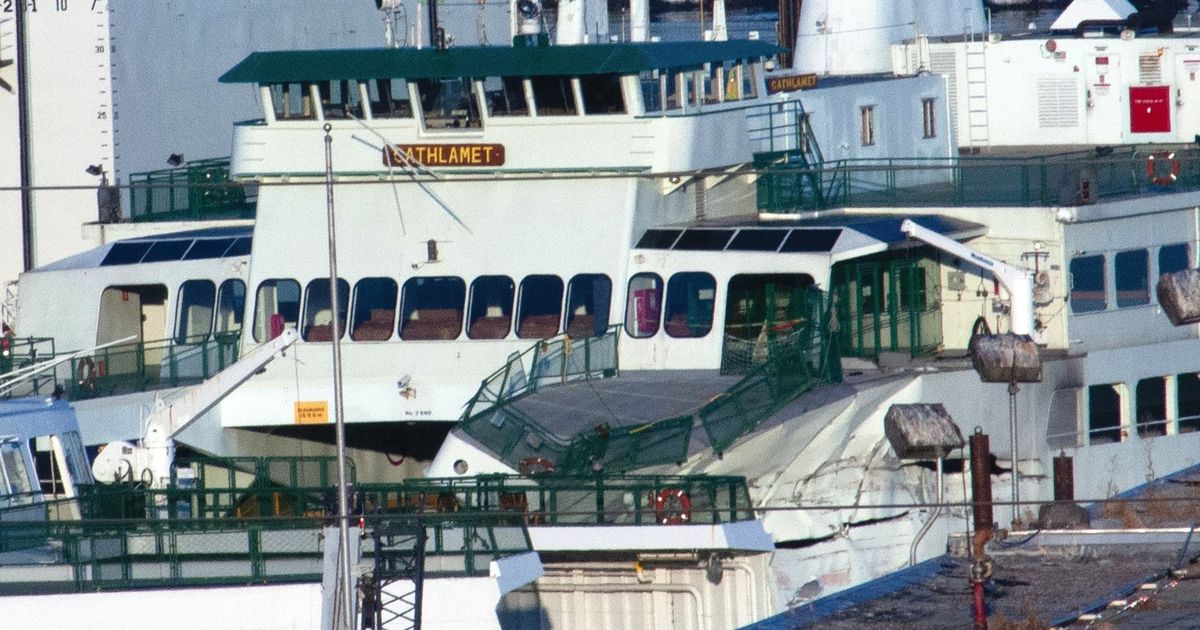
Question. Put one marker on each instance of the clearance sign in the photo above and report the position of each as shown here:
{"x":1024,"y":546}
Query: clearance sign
{"x":444,"y":154}
{"x":791,"y":83}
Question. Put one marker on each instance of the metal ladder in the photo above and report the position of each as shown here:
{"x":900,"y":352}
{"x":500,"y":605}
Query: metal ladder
{"x":977,"y":110}
{"x":8,"y":307}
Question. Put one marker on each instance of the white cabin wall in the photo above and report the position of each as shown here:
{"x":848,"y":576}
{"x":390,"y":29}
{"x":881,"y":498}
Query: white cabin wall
{"x":1132,"y":325}
{"x":1075,"y":98}
{"x":835,"y":115}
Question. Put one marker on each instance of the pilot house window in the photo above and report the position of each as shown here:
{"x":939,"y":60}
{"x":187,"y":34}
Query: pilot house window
{"x":553,"y":96}
{"x":448,"y":104}
{"x":602,"y":94}
{"x":505,"y":96}
{"x":389,"y":98}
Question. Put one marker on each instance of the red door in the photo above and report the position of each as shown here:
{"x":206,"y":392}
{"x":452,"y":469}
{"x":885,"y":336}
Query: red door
{"x":1150,"y":109}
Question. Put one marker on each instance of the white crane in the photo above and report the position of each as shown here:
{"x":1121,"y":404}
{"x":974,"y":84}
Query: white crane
{"x":1018,"y":281}
{"x":151,"y":460}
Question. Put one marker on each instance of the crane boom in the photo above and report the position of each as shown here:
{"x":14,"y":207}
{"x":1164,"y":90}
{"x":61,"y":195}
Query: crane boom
{"x":1018,"y":281}
{"x":156,"y":453}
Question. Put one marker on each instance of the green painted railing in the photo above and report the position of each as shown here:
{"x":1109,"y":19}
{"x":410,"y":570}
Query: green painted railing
{"x":101,"y":554}
{"x":148,"y":365}
{"x":199,"y":190}
{"x":791,"y":362}
{"x":585,"y":500}
{"x":789,"y":185}
{"x":22,"y":352}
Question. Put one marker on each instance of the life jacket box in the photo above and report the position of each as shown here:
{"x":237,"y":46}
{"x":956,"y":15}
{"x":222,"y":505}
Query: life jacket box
{"x":921,"y":431}
{"x":1006,"y":358}
{"x":1179,"y":296}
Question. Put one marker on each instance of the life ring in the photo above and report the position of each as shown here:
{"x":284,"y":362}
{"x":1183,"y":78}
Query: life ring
{"x":1165,"y":179}
{"x":672,"y":506}
{"x":535,"y":466}
{"x":86,"y":373}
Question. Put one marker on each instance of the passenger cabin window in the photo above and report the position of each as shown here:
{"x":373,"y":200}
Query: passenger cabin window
{"x":292,"y":101}
{"x":1104,"y":414}
{"x":602,"y":94}
{"x":651,"y":82}
{"x":194,"y":318}
{"x":1151,"y":413}
{"x":374,"y":313}
{"x":1172,"y":258}
{"x":448,"y":104}
{"x":643,"y":305}
{"x":588,"y":299}
{"x":490,"y":313}
{"x":231,"y":304}
{"x":553,"y":96}
{"x":505,"y":96}
{"x":1187,"y":396}
{"x":318,"y":316}
{"x":339,"y":99}
{"x":276,"y":307}
{"x":1132,"y":278}
{"x":431,"y":308}
{"x":1087,"y":284}
{"x":689,"y":308}
{"x":389,"y":98}
{"x":539,"y":307}
{"x":867,"y":125}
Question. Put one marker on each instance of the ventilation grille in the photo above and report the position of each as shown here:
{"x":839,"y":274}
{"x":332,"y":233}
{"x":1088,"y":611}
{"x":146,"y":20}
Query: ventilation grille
{"x":1150,"y":69}
{"x":1058,"y":102}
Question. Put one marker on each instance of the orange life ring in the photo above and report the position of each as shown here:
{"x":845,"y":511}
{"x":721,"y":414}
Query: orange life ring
{"x":86,"y":373}
{"x":1165,"y":179}
{"x":672,"y":506}
{"x":535,"y":466}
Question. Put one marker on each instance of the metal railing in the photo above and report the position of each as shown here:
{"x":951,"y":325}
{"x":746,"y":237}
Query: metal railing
{"x":101,"y":554}
{"x":560,"y":359}
{"x":584,"y":500}
{"x":792,"y":362}
{"x":1065,"y":179}
{"x":23,"y":352}
{"x":199,"y":190}
{"x":149,"y":365}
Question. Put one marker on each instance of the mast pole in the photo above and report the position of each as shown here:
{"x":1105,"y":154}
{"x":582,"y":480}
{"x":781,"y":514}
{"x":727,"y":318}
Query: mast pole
{"x":23,"y":138}
{"x":344,"y":620}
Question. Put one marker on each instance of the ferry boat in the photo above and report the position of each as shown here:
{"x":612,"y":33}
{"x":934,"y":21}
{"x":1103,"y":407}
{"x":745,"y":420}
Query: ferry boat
{"x":722,"y":282}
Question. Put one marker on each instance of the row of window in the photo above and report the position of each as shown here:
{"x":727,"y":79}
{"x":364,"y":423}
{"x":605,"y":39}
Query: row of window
{"x":437,"y":307}
{"x":1154,"y":398}
{"x":1131,"y":277}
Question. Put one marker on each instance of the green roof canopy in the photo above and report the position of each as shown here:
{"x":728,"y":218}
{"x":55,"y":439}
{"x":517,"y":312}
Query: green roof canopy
{"x":486,"y":61}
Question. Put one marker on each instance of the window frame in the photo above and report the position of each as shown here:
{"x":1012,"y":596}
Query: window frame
{"x":181,"y":338}
{"x":631,"y":311}
{"x":356,"y":322}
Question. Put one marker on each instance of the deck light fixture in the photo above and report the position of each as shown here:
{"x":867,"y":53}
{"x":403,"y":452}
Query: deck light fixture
{"x":175,"y":159}
{"x":95,"y":169}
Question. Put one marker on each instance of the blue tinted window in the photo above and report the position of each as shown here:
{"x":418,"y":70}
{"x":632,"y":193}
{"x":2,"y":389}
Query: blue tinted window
{"x":588,"y":298}
{"x":208,"y":248}
{"x":540,"y":307}
{"x":490,"y":316}
{"x":374,"y":309}
{"x":1172,"y":258}
{"x":1133,"y":278}
{"x":125,"y":253}
{"x":162,"y":251}
{"x":1087,"y":284}
{"x":240,"y":247}
{"x":689,"y":308}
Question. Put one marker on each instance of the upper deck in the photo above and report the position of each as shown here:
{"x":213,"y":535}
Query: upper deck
{"x":637,"y":107}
